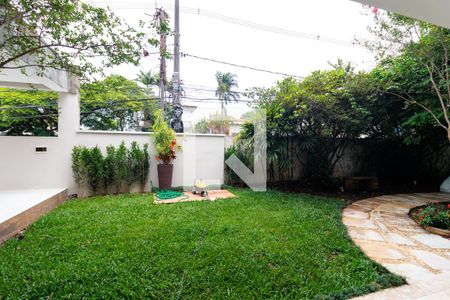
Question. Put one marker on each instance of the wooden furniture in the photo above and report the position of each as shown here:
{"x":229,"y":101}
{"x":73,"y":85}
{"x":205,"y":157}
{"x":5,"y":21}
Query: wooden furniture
{"x":361,"y":183}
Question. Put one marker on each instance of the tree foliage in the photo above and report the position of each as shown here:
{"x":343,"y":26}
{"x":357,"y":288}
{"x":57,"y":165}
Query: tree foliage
{"x":114,"y":103}
{"x":68,"y":35}
{"x":28,"y":112}
{"x":414,"y":67}
{"x":317,"y":116}
{"x":405,"y":98}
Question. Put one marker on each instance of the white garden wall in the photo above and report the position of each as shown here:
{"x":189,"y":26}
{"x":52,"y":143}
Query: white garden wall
{"x":21,"y":167}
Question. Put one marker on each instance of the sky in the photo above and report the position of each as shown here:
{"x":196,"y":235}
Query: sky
{"x":338,"y":20}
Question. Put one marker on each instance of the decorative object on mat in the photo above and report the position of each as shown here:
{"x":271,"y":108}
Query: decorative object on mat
{"x":190,"y":197}
{"x":200,"y":188}
{"x":165,"y":144}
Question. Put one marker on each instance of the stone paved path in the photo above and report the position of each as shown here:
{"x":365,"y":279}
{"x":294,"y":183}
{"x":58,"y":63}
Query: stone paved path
{"x":382,"y":228}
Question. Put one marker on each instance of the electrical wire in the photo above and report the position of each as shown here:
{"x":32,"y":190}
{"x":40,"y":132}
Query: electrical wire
{"x":236,"y":21}
{"x":32,"y":117}
{"x":109,"y":102}
{"x":195,"y":99}
{"x":183,"y":54}
{"x":26,"y":106}
{"x":188,"y":87}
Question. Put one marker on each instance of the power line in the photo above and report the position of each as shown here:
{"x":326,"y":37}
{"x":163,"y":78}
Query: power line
{"x":106,"y":108}
{"x":236,"y":21}
{"x":215,"y":99}
{"x":197,"y":88}
{"x":26,"y":107}
{"x":110,"y":102}
{"x":32,"y":117}
{"x":239,"y":66}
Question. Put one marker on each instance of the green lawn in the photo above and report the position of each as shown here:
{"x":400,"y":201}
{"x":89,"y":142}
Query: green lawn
{"x":259,"y":245}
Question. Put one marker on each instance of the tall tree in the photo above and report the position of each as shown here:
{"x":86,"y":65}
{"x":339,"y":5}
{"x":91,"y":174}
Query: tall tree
{"x":225,"y":83}
{"x":67,"y":35}
{"x":148,"y":79}
{"x":28,"y":112}
{"x":115,"y":103}
{"x":314,"y":120}
{"x":415,"y":57}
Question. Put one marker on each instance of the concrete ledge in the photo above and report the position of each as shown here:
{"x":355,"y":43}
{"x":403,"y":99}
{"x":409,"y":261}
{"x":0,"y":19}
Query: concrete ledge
{"x":19,"y":222}
{"x":146,"y":133}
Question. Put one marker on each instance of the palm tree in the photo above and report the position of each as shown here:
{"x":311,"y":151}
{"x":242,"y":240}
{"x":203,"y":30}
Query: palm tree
{"x":148,"y":79}
{"x":225,"y":82}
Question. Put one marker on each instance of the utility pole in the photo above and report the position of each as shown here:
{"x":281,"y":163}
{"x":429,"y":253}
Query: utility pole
{"x":176,"y":122}
{"x":161,"y":21}
{"x":176,"y":50}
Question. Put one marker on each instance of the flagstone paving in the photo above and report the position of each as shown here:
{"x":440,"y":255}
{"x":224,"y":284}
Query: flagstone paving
{"x":382,"y":228}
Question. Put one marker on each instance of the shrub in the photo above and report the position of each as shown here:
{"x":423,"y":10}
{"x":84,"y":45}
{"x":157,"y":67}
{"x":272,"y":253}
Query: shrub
{"x":110,"y":167}
{"x":119,"y":165}
{"x":139,"y":161}
{"x":122,"y":165}
{"x":231,"y":177}
{"x":435,"y":215}
{"x":93,"y":163}
{"x":78,"y":169}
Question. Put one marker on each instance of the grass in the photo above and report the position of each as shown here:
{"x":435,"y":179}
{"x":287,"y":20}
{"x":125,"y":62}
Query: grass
{"x":259,"y":245}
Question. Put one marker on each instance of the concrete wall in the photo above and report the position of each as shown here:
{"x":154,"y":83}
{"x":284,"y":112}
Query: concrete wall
{"x":21,"y":167}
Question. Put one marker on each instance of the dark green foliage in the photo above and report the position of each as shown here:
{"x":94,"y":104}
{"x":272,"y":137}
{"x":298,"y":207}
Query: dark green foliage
{"x":139,"y":164}
{"x":313,"y":120}
{"x":435,"y":215}
{"x":144,"y":165}
{"x":122,"y":165}
{"x":28,"y":112}
{"x":93,"y":164}
{"x":257,"y":246}
{"x":230,"y":176}
{"x":110,"y":167}
{"x":78,"y":166}
{"x":115,"y":103}
{"x":414,"y":69}
{"x":405,"y":98}
{"x":119,"y":165}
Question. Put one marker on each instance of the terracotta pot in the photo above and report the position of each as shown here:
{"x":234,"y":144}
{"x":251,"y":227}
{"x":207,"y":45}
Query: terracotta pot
{"x":165,"y":172}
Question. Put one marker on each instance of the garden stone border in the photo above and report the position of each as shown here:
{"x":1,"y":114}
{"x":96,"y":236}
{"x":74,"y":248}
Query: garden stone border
{"x":442,"y":232}
{"x":383,"y":230}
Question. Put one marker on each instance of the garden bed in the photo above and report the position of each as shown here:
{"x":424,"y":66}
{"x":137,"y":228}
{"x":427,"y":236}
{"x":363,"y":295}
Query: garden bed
{"x":434,"y":217}
{"x":351,"y":196}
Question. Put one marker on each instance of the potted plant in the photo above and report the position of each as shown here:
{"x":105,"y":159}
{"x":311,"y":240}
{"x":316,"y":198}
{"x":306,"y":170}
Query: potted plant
{"x":165,"y":144}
